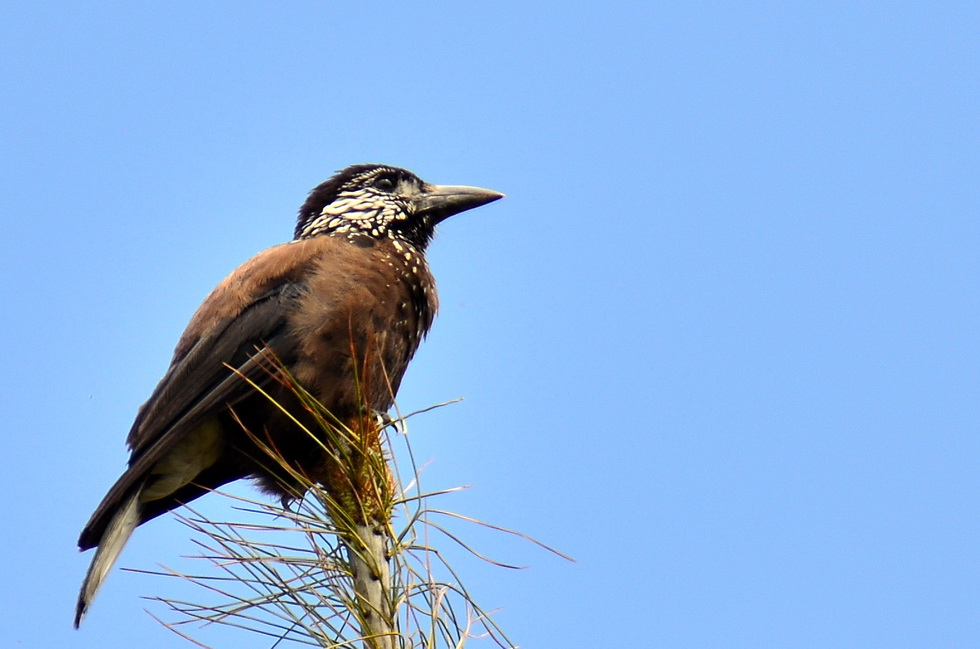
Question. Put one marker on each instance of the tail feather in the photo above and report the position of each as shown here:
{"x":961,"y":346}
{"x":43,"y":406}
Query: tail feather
{"x":117,"y":532}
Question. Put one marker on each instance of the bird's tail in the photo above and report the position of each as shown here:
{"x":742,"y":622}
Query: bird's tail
{"x":117,"y":532}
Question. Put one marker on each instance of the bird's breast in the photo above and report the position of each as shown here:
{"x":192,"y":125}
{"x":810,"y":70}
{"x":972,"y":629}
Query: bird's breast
{"x":358,"y":321}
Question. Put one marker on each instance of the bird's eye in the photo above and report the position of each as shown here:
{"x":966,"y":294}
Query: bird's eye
{"x":385,"y":183}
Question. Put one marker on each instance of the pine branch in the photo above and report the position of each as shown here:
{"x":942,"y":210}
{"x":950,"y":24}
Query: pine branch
{"x":332,"y":570}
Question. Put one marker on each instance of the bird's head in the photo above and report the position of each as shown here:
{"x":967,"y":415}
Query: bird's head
{"x":383,"y":201}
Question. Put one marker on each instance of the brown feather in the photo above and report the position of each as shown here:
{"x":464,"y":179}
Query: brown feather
{"x":304,"y":295}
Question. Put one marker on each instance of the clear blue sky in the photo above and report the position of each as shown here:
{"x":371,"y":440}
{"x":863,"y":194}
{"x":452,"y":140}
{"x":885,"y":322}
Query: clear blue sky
{"x":721,"y":342}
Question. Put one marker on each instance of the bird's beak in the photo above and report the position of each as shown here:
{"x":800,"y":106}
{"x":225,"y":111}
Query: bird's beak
{"x":439,"y":202}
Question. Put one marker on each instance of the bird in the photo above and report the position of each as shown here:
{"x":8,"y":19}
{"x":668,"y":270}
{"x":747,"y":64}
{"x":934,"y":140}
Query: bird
{"x":342,"y":307}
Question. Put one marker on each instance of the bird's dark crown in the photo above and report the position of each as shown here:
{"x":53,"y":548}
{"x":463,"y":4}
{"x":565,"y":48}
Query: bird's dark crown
{"x":365,"y":199}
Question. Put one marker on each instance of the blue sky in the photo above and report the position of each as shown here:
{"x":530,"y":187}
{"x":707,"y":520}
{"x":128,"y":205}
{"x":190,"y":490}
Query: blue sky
{"x":719,"y":343}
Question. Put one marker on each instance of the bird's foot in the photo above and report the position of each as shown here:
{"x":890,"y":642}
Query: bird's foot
{"x":384,"y":420}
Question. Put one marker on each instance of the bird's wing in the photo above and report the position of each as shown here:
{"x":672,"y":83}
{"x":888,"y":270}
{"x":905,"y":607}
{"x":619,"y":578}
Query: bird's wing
{"x":243,"y":317}
{"x":244,"y":314}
